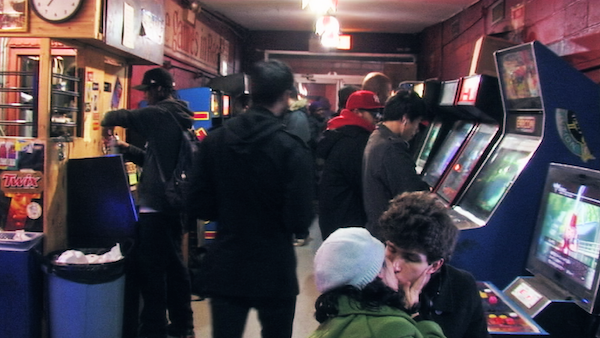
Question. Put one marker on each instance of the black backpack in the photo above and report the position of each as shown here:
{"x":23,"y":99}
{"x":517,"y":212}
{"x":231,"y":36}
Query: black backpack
{"x":177,"y":185}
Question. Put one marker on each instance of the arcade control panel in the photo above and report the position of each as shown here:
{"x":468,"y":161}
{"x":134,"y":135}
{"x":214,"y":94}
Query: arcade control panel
{"x":503,"y":317}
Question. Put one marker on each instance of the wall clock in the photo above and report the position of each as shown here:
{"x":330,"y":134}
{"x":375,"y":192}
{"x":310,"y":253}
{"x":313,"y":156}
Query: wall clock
{"x":56,"y":11}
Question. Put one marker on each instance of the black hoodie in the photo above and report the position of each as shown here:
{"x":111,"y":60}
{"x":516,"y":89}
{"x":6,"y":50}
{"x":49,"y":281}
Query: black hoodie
{"x":255,"y":180}
{"x":163,"y":136}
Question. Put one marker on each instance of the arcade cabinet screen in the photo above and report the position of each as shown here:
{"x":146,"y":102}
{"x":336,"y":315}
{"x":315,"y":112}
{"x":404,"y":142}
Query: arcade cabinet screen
{"x":466,"y":162}
{"x":497,"y":175}
{"x":448,"y":95}
{"x":519,"y":78}
{"x":419,"y":88}
{"x":226,"y":101}
{"x":459,"y":133}
{"x":432,"y":135}
{"x":566,"y":244}
{"x":468,"y":90}
{"x":215,"y":104}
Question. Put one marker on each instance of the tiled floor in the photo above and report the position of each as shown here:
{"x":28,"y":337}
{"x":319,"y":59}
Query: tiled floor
{"x":304,"y":322}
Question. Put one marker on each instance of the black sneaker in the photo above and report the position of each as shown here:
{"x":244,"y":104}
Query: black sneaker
{"x":188,"y":334}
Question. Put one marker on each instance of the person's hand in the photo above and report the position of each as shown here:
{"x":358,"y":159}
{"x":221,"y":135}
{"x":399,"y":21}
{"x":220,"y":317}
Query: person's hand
{"x":388,"y":276}
{"x":121,"y":144}
{"x":413,"y":290}
{"x":107,"y":132}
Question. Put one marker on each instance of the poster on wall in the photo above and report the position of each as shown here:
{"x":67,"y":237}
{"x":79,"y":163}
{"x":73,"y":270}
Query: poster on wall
{"x":13,"y":16}
{"x":21,"y":172}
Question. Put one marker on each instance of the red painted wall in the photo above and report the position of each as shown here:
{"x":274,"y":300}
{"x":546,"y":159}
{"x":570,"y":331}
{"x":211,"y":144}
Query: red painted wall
{"x":571,"y":28}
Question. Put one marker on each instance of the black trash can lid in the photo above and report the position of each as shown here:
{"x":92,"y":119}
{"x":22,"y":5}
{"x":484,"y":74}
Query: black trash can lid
{"x":90,"y":273}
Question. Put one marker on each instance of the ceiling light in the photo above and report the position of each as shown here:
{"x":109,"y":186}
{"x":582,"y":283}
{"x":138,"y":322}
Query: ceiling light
{"x":327,"y":23}
{"x":320,"y":6}
{"x":330,"y":39}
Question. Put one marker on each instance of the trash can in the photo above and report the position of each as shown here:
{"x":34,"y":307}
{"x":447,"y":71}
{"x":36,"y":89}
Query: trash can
{"x":85,"y":300}
{"x":22,"y":287}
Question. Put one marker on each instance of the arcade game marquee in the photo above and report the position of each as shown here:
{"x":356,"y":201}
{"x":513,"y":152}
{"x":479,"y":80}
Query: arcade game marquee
{"x":551,"y":114}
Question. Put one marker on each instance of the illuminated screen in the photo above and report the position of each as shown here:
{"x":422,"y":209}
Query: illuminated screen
{"x":497,"y":175}
{"x":519,"y":78}
{"x":566,"y":244}
{"x":447,"y":151}
{"x":225,"y":105}
{"x":468,"y":90}
{"x":432,"y":135}
{"x":448,"y":95}
{"x":419,"y":88}
{"x":215,"y":104}
{"x":466,"y":161}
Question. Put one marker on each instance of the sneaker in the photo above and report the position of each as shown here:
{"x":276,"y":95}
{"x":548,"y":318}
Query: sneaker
{"x":188,"y":334}
{"x":300,"y":241}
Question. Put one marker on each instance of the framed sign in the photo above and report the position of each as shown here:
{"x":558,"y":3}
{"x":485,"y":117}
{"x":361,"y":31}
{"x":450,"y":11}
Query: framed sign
{"x":13,"y":16}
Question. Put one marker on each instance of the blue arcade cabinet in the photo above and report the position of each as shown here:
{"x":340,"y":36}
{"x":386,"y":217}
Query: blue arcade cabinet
{"x":207,"y":105}
{"x":551,"y":114}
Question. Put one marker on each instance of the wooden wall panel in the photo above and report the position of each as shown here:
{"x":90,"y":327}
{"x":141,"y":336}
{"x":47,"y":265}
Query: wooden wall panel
{"x":85,"y":25}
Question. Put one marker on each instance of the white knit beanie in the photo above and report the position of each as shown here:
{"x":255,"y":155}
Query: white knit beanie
{"x":349,"y":256}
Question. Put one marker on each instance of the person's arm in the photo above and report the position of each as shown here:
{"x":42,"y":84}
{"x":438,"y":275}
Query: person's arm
{"x":120,"y":117}
{"x":131,"y":153}
{"x":299,"y":190}
{"x":202,"y":197}
{"x":429,"y":329}
{"x":400,"y":174}
{"x":405,"y":327}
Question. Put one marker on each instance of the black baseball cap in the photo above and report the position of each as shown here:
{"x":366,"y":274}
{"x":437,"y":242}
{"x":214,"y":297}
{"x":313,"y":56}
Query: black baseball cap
{"x":158,"y":77}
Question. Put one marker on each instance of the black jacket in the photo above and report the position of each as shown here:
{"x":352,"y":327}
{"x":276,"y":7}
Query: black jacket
{"x":340,"y":187}
{"x":163,"y":137}
{"x":388,"y":170}
{"x":452,"y":300}
{"x":256,"y":181}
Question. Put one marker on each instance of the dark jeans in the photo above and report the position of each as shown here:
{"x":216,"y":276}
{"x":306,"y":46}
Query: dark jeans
{"x":229,"y":314}
{"x":163,"y":276}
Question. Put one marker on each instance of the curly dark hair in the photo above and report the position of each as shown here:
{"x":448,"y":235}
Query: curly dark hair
{"x":419,"y":221}
{"x":373,"y":296}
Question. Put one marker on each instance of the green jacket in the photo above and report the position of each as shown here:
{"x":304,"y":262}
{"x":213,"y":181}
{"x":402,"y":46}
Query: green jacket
{"x":385,"y":322}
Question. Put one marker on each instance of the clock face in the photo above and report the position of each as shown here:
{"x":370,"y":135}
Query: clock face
{"x":56,"y":10}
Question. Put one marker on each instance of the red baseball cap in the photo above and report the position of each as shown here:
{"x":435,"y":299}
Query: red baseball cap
{"x":363,"y":99}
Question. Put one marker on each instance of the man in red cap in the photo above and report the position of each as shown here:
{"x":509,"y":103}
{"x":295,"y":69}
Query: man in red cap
{"x":341,"y":149}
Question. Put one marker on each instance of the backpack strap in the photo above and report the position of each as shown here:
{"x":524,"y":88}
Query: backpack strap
{"x":160,"y":172}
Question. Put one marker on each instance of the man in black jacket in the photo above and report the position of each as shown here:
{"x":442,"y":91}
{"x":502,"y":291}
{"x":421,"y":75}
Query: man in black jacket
{"x":388,"y":167}
{"x":255,"y":180}
{"x":341,"y":149}
{"x":163,"y":276}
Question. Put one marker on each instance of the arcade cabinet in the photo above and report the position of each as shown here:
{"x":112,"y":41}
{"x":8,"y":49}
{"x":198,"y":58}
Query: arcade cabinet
{"x":480,"y":96}
{"x":422,"y":145}
{"x":551,"y":114}
{"x":470,"y":137}
{"x":561,"y":295}
{"x":446,"y":117}
{"x":207,"y":107}
{"x":504,"y":317}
